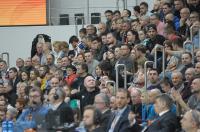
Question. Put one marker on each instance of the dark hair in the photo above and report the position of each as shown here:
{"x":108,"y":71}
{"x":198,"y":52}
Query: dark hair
{"x":154,"y":69}
{"x":13,"y":69}
{"x":136,"y":8}
{"x":178,"y":41}
{"x":98,"y":39}
{"x":129,"y":12}
{"x":82,"y":30}
{"x":168,"y":4}
{"x":114,"y":34}
{"x":165,"y":99}
{"x":188,"y":54}
{"x":166,"y":81}
{"x":168,"y":43}
{"x":108,"y":11}
{"x":144,"y":4}
{"x":157,"y":15}
{"x":73,"y":39}
{"x":97,"y":115}
{"x":135,"y":33}
{"x":141,"y":48}
{"x":116,"y":12}
{"x":84,"y":66}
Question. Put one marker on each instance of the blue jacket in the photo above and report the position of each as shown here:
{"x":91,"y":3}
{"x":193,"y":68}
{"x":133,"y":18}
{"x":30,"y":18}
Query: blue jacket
{"x":27,"y":118}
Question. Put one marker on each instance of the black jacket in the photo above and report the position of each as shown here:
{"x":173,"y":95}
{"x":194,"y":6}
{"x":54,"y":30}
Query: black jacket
{"x":63,"y":114}
{"x":165,"y":123}
{"x":105,"y":119}
{"x":122,"y":124}
{"x":85,"y":97}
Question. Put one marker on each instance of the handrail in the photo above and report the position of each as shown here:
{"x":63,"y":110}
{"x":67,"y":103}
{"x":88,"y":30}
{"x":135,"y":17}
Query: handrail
{"x":189,"y":42}
{"x":117,"y":75}
{"x":8,"y":57}
{"x":163,"y":57}
{"x":76,"y":23}
{"x":114,"y":86}
{"x":124,"y":4}
{"x":191,"y":33}
{"x":145,"y":72}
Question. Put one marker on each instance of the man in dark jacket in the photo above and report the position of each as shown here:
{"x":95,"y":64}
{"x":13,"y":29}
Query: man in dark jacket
{"x":167,"y":121}
{"x":87,"y":94}
{"x":60,"y":113}
{"x":102,"y":103}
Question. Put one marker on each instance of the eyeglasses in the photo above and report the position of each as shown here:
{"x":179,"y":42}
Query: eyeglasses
{"x":34,"y":96}
{"x":98,"y":102}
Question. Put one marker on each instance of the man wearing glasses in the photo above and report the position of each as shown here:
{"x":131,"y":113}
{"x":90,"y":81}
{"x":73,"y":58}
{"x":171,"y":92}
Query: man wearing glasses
{"x":29,"y":117}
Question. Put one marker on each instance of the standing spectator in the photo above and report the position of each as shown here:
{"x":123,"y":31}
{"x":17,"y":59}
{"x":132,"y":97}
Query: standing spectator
{"x":154,"y":37}
{"x":144,"y":9}
{"x":91,"y":62}
{"x":3,"y":69}
{"x":19,"y":63}
{"x":91,"y":30}
{"x":109,"y":17}
{"x":58,"y":53}
{"x":101,"y":27}
{"x":178,"y":5}
{"x":155,"y":19}
{"x":12,"y":88}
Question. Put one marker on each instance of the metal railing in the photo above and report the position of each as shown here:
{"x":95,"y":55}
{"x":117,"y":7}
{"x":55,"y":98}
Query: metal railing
{"x":7,"y":57}
{"x":117,"y":75}
{"x":76,"y":25}
{"x":191,"y":34}
{"x":114,"y":86}
{"x":157,"y":48}
{"x":189,"y":42}
{"x":124,"y":4}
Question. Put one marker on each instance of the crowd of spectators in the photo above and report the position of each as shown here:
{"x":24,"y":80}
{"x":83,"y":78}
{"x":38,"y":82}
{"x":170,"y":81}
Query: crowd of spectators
{"x":69,"y":86}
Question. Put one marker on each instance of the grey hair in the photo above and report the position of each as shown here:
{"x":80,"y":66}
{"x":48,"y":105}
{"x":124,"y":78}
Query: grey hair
{"x":105,"y":98}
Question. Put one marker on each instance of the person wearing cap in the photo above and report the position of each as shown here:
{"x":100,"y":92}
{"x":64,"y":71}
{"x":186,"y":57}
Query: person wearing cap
{"x":154,"y":37}
{"x":71,"y":74}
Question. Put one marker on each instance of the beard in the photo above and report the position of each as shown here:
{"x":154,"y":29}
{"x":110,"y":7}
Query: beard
{"x":195,"y":91}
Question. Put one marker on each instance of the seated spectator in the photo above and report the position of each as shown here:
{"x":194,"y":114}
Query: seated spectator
{"x":166,"y":85}
{"x":92,"y":119}
{"x":119,"y":119}
{"x":191,"y":121}
{"x":193,"y":101}
{"x":136,"y":107}
{"x":91,"y":62}
{"x":102,"y":103}
{"x":167,"y":121}
{"x":28,"y":117}
{"x":154,"y":81}
{"x":87,"y":94}
{"x":59,"y":110}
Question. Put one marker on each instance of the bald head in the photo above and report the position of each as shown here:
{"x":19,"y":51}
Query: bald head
{"x":89,"y":83}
